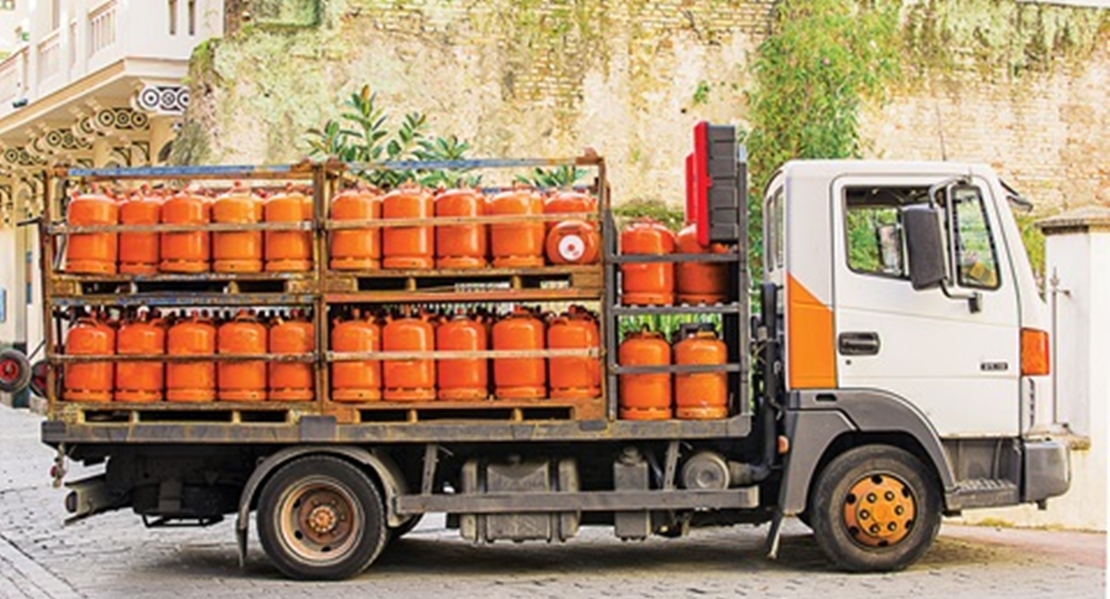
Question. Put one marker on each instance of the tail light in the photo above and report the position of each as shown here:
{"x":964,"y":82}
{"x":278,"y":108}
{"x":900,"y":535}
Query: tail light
{"x":1034,"y":353}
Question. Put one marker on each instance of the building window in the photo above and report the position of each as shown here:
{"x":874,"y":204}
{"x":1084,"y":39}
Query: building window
{"x":192,"y":17}
{"x":7,"y":4}
{"x":173,"y":16}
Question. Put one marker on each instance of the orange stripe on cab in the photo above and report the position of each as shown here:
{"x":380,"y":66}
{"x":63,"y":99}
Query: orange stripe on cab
{"x":810,"y":340}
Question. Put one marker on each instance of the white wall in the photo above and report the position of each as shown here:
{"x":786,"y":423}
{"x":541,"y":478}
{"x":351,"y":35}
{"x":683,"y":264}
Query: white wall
{"x":1077,"y":254}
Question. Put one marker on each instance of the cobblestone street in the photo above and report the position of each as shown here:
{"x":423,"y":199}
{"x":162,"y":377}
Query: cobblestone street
{"x":114,"y":556}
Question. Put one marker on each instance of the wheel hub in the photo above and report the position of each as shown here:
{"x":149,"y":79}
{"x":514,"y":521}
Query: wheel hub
{"x":8,"y":370}
{"x":322,"y":519}
{"x":879,"y":510}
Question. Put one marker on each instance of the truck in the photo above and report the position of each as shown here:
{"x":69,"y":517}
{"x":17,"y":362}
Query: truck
{"x":884,"y":372}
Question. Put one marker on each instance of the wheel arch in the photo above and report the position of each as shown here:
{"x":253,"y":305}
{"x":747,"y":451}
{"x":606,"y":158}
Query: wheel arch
{"x":822,"y":424}
{"x":376,"y":463}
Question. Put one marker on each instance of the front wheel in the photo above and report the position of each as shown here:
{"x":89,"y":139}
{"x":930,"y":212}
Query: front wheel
{"x":321,"y":518}
{"x":874,"y":508}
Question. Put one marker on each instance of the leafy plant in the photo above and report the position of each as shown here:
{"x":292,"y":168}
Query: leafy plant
{"x":558,"y":177}
{"x":362,"y":135}
{"x":671,"y":217}
{"x":811,"y":75}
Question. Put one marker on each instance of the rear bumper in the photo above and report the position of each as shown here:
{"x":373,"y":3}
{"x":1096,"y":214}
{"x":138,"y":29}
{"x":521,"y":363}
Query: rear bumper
{"x":1046,"y":469}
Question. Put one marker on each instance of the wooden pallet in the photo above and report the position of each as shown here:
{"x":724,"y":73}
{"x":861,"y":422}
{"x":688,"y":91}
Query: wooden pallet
{"x":72,"y":285}
{"x":489,"y":410}
{"x":163,"y":412}
{"x":552,"y":283}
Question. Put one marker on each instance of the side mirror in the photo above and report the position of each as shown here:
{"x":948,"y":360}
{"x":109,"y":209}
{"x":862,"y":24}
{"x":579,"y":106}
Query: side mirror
{"x":924,"y":246}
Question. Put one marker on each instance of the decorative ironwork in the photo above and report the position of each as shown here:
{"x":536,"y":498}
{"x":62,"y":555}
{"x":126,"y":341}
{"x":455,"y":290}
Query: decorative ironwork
{"x":163,"y":99}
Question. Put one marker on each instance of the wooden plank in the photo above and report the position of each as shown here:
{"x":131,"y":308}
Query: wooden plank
{"x":461,"y":355}
{"x":439,"y":221}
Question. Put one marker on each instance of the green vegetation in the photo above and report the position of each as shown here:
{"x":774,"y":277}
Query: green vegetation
{"x":812,"y":75}
{"x":555,"y":177}
{"x":362,"y":135}
{"x":671,"y":216}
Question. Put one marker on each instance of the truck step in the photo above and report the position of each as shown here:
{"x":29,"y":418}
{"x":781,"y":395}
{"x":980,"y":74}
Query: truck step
{"x":985,"y":492}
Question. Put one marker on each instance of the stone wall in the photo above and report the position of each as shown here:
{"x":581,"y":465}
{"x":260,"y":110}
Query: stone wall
{"x":630,"y":77}
{"x":539,"y":78}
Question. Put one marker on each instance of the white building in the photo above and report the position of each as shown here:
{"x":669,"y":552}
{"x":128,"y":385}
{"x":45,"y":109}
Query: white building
{"x":88,"y":83}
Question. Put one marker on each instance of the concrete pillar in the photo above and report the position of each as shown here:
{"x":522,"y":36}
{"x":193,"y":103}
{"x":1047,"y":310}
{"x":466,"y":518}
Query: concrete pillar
{"x":161,"y":133}
{"x":101,"y":151}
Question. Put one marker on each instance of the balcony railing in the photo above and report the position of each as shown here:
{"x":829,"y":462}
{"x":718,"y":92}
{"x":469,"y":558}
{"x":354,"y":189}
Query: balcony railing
{"x":102,"y":27}
{"x":50,"y":56}
{"x":12,"y":80}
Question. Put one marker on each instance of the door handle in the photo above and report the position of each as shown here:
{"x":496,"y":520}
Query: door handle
{"x":859,"y":344}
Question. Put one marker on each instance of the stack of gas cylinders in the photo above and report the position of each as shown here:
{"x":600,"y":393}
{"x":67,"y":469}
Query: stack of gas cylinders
{"x":661,"y":396}
{"x":195,"y":251}
{"x":462,"y":377}
{"x":668,"y":283}
{"x":465,"y":245}
{"x":200,"y":334}
{"x":575,"y":240}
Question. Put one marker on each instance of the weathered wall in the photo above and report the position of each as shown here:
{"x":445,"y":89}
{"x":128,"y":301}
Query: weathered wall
{"x":1023,"y":88}
{"x":513,"y":78}
{"x":1011,"y":84}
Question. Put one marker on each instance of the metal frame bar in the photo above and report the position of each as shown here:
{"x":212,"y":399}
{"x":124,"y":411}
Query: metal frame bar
{"x":588,"y":501}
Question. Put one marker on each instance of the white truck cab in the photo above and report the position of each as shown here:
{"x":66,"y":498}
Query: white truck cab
{"x":911,"y":317}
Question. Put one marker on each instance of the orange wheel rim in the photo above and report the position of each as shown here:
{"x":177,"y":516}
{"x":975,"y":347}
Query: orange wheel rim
{"x":880,"y":510}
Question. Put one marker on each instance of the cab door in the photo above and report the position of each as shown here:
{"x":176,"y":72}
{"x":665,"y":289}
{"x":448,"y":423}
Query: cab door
{"x":959,"y":366}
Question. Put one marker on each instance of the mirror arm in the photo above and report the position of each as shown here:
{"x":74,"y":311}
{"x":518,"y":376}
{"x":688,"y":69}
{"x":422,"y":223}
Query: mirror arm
{"x":974,"y":298}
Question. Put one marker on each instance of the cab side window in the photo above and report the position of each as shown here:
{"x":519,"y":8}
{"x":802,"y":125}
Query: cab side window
{"x":873,"y":229}
{"x":975,"y":255}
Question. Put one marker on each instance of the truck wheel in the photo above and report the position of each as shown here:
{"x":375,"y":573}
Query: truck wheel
{"x":15,"y":371}
{"x":874,"y":509}
{"x":321,"y":518}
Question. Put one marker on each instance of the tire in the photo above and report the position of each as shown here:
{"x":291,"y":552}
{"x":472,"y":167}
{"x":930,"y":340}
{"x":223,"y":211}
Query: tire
{"x":874,"y":508}
{"x":406,"y":528}
{"x":347,"y":511}
{"x":15,"y":371}
{"x":38,"y":378}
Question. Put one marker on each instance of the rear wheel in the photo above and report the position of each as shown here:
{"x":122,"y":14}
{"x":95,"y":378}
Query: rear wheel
{"x":875,"y":508}
{"x":320,"y":517}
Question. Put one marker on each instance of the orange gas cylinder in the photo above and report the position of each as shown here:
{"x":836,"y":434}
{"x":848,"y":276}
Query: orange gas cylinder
{"x":517,"y":245}
{"x":573,"y":242}
{"x":191,"y":381}
{"x":90,"y":381}
{"x":356,"y":249}
{"x":519,"y":378}
{"x":407,"y":247}
{"x":408,"y":380}
{"x":645,"y":396}
{"x":460,"y":246}
{"x":291,"y":381}
{"x":574,"y":378}
{"x":288,"y":251}
{"x":699,"y":282}
{"x":138,"y":252}
{"x":237,"y":251}
{"x":356,"y":381}
{"x":241,"y":381}
{"x":140,"y":381}
{"x":569,"y":203}
{"x":186,"y":252}
{"x":93,"y":253}
{"x":462,"y":379}
{"x":647,"y":284}
{"x":703,"y":395}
